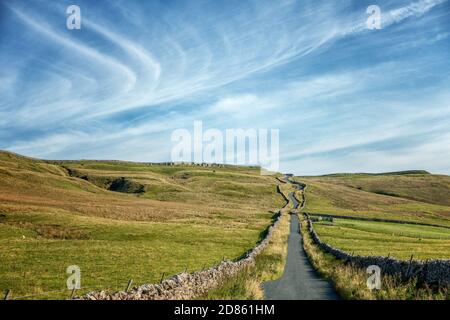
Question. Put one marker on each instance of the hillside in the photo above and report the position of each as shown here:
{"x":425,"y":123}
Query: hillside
{"x":415,"y":185}
{"x":411,"y":196}
{"x":121,"y":220}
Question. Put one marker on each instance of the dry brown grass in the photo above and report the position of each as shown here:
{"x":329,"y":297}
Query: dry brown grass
{"x":428,"y":188}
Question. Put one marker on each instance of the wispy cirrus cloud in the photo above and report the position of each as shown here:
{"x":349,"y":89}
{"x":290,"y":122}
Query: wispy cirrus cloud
{"x":137,"y":70}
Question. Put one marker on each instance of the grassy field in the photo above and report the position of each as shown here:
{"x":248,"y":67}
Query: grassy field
{"x":121,"y":220}
{"x":409,"y":197}
{"x":351,"y":282}
{"x":380,"y":238}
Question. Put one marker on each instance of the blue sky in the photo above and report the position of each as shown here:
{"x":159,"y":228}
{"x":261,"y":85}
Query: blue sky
{"x":345,"y":98}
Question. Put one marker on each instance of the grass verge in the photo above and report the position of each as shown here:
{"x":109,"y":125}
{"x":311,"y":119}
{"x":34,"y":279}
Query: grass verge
{"x":269,"y":265}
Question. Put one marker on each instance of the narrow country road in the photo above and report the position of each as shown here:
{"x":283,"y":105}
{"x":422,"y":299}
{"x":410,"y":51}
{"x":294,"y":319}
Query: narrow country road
{"x":294,"y":200}
{"x":299,"y":280}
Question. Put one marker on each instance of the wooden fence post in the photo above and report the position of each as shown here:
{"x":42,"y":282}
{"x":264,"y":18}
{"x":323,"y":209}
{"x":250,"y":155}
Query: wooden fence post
{"x":425,"y":272}
{"x":73,"y":293}
{"x":386,"y":261}
{"x":7,"y":295}
{"x":409,"y":267}
{"x":130,"y":282}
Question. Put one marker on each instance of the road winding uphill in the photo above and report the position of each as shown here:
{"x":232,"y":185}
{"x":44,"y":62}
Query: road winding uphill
{"x":299,"y":280}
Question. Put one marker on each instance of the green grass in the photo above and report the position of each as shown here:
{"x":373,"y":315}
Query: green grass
{"x":187,"y":217}
{"x":380,"y":238}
